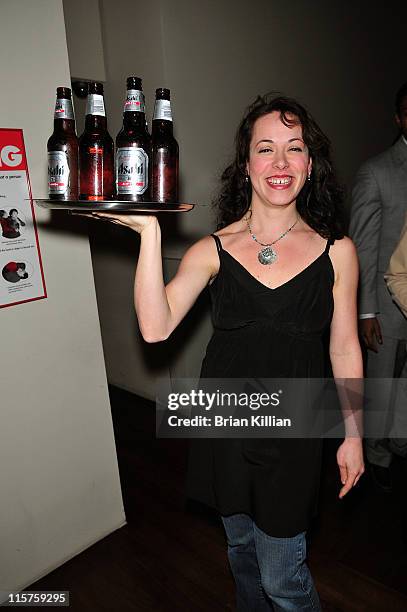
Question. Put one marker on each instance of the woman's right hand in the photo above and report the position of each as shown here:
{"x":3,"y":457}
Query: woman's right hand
{"x":137,"y":223}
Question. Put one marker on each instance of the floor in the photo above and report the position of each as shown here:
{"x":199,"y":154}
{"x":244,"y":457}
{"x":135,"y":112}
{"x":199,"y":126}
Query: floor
{"x":171,"y":556}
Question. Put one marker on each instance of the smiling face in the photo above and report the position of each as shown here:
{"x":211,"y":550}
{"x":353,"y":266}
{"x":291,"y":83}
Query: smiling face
{"x":279,"y":161}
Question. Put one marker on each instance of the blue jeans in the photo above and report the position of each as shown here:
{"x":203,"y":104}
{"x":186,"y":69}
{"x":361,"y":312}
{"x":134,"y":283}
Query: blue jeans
{"x":270,"y":573}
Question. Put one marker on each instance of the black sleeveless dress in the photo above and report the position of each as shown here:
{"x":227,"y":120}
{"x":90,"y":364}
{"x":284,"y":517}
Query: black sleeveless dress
{"x":261,"y":332}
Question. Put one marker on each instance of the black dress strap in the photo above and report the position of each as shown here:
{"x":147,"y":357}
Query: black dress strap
{"x":329,"y":243}
{"x":217,"y":242}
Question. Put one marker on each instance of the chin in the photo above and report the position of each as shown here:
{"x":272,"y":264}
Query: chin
{"x":281,"y":201}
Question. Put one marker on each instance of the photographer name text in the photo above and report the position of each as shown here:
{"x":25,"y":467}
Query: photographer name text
{"x":229,"y":421}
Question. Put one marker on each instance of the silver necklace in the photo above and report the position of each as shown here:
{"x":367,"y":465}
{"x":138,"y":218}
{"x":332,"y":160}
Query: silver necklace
{"x":267,"y":255}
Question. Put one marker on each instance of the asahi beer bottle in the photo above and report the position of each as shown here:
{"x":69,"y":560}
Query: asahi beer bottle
{"x":133,"y":147}
{"x":165,"y":151}
{"x":63,"y":150}
{"x":96,"y":161}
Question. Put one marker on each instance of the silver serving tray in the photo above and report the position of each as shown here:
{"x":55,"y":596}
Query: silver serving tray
{"x":116,"y":206}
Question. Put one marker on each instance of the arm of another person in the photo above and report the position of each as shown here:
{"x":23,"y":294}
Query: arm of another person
{"x":346,"y":359}
{"x":396,"y":275}
{"x":365,"y":228}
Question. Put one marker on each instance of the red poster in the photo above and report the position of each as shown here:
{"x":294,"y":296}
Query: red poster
{"x":21,"y":272}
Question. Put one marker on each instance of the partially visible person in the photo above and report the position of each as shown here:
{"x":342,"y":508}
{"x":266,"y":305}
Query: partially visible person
{"x":12,"y":229}
{"x":396,"y":279}
{"x":379,"y":204}
{"x":396,"y":275}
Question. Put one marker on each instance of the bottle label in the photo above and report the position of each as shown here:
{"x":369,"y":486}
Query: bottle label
{"x":63,"y":109}
{"x":134,"y":101}
{"x":162,"y":110}
{"x":131,"y":170}
{"x":95,"y":105}
{"x":58,"y":173}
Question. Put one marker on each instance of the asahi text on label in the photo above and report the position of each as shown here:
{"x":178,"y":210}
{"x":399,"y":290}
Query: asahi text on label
{"x":58,"y":172}
{"x":131,"y":170}
{"x":134,"y":101}
{"x":63,"y":109}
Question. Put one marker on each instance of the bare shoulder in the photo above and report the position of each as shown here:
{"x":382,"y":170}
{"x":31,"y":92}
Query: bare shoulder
{"x":344,"y":257}
{"x":203,"y":253}
{"x":343,"y":248}
{"x":231,"y":234}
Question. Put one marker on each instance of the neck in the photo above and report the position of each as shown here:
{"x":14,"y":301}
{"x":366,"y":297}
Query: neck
{"x":266,"y":221}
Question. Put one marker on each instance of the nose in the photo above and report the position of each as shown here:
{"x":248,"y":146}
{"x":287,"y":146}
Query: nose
{"x":280,"y":160}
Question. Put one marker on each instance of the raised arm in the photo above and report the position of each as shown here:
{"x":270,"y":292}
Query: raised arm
{"x":160,"y":308}
{"x":346,"y":360}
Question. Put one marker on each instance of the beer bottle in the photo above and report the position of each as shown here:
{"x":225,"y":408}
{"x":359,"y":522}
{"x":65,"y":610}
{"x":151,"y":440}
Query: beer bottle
{"x":63,"y":150}
{"x":133,"y":147}
{"x":165,"y":151}
{"x":95,"y":150}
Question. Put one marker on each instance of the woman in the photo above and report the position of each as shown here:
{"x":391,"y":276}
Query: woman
{"x":280,"y":274}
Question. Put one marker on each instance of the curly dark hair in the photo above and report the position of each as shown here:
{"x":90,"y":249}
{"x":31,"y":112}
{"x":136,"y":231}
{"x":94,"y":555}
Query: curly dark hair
{"x":319,"y":203}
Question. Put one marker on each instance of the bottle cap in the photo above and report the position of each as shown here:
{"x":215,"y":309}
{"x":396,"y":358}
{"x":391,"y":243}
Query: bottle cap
{"x":134,"y":82}
{"x":162,"y":94}
{"x":94,"y":87}
{"x":64,"y":92}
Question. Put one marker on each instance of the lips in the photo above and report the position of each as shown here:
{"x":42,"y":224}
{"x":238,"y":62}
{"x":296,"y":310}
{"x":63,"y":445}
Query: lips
{"x":280,"y":182}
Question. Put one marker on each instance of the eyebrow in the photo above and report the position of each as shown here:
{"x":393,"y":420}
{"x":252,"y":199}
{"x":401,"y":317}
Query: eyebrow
{"x":269,"y":140}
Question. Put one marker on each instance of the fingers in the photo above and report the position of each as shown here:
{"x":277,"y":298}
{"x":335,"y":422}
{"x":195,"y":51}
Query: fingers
{"x":369,"y":339}
{"x":348,"y":484}
{"x":349,"y":481}
{"x":108,"y":217}
{"x":371,"y":333}
{"x":97,"y":215}
{"x":343,"y":473}
{"x":372,"y":346}
{"x":377,"y":331}
{"x":358,"y":477}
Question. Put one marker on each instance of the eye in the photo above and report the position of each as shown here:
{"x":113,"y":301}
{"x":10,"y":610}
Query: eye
{"x":296,"y":149}
{"x":265,"y":150}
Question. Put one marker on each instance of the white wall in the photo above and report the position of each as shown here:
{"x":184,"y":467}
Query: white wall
{"x":84,"y":39}
{"x":59,"y":481}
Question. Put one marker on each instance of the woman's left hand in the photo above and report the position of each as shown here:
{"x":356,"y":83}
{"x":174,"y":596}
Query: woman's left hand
{"x":350,"y":462}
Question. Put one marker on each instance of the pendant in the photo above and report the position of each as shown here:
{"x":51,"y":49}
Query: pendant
{"x":267,"y":256}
